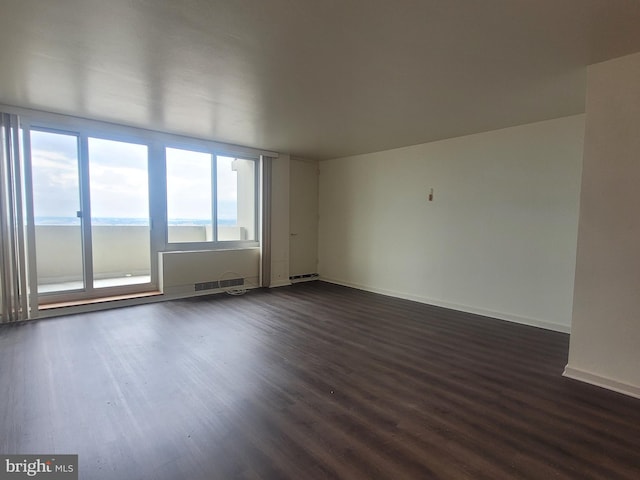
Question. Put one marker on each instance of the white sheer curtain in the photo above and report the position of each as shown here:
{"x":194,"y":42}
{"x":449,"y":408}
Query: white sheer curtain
{"x":13,"y":270}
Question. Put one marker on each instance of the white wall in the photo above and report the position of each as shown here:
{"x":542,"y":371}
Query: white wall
{"x":605,"y":337}
{"x":499,"y":238}
{"x":280,"y":221}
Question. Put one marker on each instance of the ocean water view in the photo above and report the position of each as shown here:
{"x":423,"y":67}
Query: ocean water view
{"x":129,"y":221}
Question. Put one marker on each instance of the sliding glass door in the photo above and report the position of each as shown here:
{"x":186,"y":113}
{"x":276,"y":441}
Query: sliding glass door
{"x":91,"y":216}
{"x":55,"y":168}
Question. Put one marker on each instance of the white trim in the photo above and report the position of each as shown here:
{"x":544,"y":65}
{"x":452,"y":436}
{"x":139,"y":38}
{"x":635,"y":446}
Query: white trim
{"x":556,"y":327}
{"x":600,"y":381}
{"x":282,"y":283}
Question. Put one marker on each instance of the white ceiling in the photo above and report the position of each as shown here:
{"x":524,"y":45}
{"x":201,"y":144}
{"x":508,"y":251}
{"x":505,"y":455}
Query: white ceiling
{"x":316,"y":78}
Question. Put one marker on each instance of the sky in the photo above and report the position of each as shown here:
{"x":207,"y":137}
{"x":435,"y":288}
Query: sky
{"x":119,"y":180}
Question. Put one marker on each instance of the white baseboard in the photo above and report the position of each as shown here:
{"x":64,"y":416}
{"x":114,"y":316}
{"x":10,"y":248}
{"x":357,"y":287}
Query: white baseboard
{"x":556,"y":327}
{"x":281,"y":283}
{"x":600,"y":381}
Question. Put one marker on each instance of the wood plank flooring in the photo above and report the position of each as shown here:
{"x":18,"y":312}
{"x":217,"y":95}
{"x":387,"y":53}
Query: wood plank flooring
{"x":311,"y":381}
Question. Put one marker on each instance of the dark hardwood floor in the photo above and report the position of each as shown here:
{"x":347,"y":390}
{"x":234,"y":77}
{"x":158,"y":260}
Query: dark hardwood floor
{"x":305,"y":382}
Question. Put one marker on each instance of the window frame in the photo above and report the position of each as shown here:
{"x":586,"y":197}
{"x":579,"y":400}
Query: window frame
{"x":213,"y":244}
{"x":83,"y":134}
{"x":156,"y":143}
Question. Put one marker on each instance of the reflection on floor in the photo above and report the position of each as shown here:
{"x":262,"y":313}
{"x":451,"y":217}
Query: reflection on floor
{"x":98,"y":283}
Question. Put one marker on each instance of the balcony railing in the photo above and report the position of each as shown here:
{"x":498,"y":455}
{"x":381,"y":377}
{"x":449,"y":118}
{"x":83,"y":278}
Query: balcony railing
{"x":121,"y":253}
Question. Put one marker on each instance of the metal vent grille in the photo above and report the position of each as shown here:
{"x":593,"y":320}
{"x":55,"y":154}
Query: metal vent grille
{"x":232,"y":282}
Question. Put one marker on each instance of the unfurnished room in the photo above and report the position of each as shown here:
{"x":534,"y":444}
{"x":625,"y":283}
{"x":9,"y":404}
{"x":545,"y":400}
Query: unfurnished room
{"x":278,"y":239}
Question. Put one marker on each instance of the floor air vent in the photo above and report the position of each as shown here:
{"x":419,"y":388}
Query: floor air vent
{"x":305,"y":276}
{"x":232,"y":282}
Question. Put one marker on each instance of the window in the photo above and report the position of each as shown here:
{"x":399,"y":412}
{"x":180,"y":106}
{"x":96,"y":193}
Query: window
{"x":210,"y":197}
{"x":189,"y":196}
{"x":236,"y":181}
{"x":56,"y":204}
{"x":120,"y":229}
{"x":106,"y":200}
